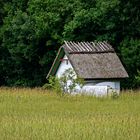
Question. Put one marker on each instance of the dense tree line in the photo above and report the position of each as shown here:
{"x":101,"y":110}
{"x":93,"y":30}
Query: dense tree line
{"x":31,"y":31}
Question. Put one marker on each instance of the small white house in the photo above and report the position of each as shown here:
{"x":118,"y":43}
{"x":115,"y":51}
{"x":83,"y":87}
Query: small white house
{"x":95,"y":62}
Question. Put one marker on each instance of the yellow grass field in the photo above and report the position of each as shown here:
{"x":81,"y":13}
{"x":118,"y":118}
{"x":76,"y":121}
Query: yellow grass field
{"x":37,"y":114}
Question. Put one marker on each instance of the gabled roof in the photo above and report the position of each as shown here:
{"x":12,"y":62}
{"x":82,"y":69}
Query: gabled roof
{"x":91,"y":60}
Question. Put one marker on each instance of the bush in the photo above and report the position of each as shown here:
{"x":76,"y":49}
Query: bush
{"x":53,"y":84}
{"x":65,"y":84}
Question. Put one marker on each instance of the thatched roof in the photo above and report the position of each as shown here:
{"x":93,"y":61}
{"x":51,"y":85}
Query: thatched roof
{"x":91,"y":60}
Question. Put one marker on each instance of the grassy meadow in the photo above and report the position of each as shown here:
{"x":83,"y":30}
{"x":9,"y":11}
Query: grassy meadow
{"x":36,"y":114}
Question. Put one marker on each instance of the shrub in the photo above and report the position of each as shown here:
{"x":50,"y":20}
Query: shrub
{"x":66,"y":83}
{"x":53,"y":84}
{"x":69,"y":81}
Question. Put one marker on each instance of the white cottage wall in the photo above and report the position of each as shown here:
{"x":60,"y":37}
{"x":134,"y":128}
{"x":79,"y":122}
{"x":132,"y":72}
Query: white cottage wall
{"x":101,"y":87}
{"x":112,"y":84}
{"x":97,"y":87}
{"x":63,"y":66}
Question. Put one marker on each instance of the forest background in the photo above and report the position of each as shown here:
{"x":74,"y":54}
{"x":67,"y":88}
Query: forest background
{"x":31,"y":32}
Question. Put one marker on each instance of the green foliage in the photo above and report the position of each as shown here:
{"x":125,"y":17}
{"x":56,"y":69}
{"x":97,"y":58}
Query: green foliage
{"x":137,"y":78}
{"x":65,"y":84}
{"x":114,"y":95}
{"x":69,"y":81}
{"x":31,"y":31}
{"x":130,"y":52}
{"x":54,"y":84}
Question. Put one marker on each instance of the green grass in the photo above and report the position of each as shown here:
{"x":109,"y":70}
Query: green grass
{"x":35,"y":114}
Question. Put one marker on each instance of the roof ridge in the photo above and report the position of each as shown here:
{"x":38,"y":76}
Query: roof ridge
{"x":88,"y":47}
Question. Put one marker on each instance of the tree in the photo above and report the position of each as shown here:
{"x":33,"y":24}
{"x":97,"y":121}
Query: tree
{"x":130,"y":52}
{"x":31,"y":32}
{"x":137,"y":78}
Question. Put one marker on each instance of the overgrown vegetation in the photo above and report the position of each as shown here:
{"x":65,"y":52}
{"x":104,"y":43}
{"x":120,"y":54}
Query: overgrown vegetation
{"x":67,"y":83}
{"x":36,"y":114}
{"x":31,"y":31}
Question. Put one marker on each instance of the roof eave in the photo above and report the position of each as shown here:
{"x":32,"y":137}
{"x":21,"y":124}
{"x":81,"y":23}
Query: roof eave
{"x":113,"y":78}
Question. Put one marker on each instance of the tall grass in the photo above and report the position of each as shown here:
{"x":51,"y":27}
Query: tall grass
{"x":36,"y":114}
